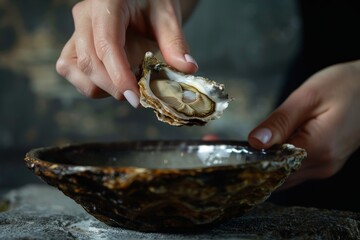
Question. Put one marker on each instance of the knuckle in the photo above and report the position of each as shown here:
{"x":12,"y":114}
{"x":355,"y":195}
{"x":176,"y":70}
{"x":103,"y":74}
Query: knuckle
{"x":311,"y":97}
{"x":77,"y":8}
{"x":85,"y":64}
{"x":177,"y":42}
{"x":104,"y":39}
{"x":62,"y":67}
{"x":281,"y":123}
{"x":103,"y":47}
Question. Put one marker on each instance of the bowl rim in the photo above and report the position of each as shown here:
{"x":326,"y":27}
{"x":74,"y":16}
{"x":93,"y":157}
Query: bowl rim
{"x":33,"y":158}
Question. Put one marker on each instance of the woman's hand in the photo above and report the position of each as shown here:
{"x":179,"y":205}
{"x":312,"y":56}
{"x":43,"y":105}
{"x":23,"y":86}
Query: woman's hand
{"x":321,"y":116}
{"x":111,"y":38}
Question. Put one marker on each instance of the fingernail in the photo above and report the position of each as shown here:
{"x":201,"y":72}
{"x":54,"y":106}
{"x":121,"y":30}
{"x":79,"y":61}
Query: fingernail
{"x":263,"y":135}
{"x":132,"y":98}
{"x":190,"y":59}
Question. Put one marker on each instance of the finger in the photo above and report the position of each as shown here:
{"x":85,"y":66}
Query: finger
{"x":316,"y":165}
{"x":66,"y":66}
{"x":297,"y":177}
{"x":315,"y":138}
{"x":300,"y":107}
{"x":302,"y":175}
{"x":86,"y":59}
{"x":109,"y":24}
{"x":166,"y":24}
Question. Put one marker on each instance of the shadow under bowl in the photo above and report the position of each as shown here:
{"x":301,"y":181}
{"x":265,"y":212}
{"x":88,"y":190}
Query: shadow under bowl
{"x":165,"y":185}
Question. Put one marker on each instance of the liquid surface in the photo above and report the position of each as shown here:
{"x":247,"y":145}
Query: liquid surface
{"x":158,"y":157}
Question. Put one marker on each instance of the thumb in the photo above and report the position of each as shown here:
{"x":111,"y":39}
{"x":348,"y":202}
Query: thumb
{"x":166,"y":21}
{"x":284,"y":122}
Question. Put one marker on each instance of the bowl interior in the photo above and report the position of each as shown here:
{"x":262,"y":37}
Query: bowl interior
{"x":159,"y":154}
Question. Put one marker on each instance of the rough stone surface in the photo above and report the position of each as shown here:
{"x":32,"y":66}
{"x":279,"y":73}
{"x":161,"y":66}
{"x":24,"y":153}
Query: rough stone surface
{"x":42,"y":212}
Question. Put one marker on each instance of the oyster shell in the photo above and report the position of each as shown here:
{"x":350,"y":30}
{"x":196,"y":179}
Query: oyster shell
{"x":201,"y":183}
{"x":179,"y":99}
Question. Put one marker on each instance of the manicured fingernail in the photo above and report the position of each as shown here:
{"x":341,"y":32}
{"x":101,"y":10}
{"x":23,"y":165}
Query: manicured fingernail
{"x":190,"y":59}
{"x":132,"y":98}
{"x":263,"y":135}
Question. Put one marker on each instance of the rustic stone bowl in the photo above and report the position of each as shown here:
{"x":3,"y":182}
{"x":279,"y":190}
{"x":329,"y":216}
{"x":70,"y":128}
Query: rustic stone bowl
{"x":165,"y":185}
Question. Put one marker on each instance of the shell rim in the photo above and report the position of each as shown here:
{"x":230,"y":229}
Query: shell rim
{"x":32,"y":157}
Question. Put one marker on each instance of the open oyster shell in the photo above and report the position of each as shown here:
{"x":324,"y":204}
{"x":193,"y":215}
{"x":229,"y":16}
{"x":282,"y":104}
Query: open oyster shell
{"x":179,"y":99}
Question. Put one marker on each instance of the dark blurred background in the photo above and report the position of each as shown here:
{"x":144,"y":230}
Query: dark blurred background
{"x":247,"y":45}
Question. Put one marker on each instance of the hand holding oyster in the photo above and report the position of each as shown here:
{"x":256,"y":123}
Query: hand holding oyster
{"x":179,"y":99}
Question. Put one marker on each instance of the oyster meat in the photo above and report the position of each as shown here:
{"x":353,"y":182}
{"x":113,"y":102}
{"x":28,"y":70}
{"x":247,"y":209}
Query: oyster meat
{"x":177,"y":98}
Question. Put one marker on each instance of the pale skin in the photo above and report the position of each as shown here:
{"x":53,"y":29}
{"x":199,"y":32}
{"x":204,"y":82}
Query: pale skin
{"x":110,"y":39}
{"x":111,"y":36}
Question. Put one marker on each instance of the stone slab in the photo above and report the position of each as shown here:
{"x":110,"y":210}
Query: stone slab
{"x":42,"y":212}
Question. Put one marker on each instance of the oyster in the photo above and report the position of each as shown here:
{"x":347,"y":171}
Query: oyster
{"x":179,"y":99}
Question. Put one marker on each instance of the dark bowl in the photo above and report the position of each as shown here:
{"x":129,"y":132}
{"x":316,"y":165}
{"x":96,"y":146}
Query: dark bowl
{"x":165,"y":185}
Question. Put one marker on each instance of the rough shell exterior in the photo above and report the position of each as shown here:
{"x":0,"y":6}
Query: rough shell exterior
{"x":160,"y":199}
{"x":179,"y":99}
